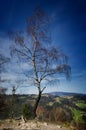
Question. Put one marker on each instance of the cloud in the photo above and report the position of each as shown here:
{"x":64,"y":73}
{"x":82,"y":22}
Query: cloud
{"x":8,"y":76}
{"x":25,"y":66}
{"x":81,"y":74}
{"x":5,"y":43}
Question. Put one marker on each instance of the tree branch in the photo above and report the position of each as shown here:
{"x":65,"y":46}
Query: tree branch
{"x":22,"y":53}
{"x":43,"y":89}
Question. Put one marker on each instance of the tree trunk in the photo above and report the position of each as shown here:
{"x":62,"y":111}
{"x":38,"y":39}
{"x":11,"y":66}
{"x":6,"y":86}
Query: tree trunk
{"x":36,"y":104}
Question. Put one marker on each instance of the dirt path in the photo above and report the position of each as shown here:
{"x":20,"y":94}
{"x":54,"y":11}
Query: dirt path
{"x":30,"y":125}
{"x":53,"y":127}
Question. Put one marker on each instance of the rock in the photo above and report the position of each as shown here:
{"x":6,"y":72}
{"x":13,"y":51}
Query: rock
{"x":59,"y":126}
{"x":45,"y":124}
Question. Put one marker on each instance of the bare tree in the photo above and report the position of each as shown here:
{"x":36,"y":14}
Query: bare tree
{"x":45,"y":62}
{"x":14,"y":99}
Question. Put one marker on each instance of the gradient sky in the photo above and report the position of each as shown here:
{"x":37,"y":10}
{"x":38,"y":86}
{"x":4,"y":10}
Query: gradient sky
{"x":68,"y":31}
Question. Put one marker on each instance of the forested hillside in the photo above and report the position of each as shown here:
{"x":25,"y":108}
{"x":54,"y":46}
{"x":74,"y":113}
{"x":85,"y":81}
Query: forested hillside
{"x":66,"y":110}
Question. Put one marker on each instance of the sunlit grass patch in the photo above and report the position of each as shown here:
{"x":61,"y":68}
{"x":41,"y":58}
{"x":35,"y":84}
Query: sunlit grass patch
{"x":81,"y":105}
{"x":51,"y":103}
{"x":77,"y":115}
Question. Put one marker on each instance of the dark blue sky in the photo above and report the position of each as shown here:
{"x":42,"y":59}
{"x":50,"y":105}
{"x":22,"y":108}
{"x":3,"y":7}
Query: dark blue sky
{"x":68,"y":31}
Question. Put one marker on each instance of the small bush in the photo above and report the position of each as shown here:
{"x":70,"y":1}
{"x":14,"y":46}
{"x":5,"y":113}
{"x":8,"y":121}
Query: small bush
{"x":27,"y":111}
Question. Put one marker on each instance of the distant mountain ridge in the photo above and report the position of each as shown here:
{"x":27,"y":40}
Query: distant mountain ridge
{"x":61,"y":94}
